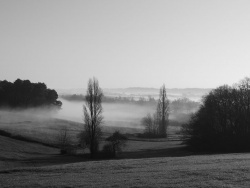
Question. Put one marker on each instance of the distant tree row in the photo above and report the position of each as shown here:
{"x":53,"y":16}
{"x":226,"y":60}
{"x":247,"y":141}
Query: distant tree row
{"x":156,"y":125}
{"x":24,"y":94}
{"x":223,"y":121}
{"x":182,"y":105}
{"x":107,"y":99}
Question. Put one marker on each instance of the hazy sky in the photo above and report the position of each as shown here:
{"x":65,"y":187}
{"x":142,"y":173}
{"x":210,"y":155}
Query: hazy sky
{"x":125,"y":43}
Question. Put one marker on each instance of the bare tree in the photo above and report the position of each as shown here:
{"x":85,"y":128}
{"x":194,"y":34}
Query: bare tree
{"x":156,"y":126}
{"x":162,"y":112}
{"x":93,"y":118}
{"x":147,"y":122}
{"x":64,"y":140}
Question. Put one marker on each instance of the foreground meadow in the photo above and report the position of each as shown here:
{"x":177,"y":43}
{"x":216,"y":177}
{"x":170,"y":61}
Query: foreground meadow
{"x":223,"y":170}
{"x":144,"y":162}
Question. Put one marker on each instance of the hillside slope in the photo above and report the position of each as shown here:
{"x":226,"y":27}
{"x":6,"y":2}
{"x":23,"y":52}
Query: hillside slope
{"x":13,"y":153}
{"x":227,"y":170}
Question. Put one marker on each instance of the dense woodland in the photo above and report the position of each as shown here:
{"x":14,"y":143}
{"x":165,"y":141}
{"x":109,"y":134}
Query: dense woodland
{"x":223,"y":121}
{"x":24,"y":94}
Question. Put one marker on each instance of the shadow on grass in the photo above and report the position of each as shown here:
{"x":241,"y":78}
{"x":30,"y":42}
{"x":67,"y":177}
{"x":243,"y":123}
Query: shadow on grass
{"x":25,"y":139}
{"x":152,"y":153}
{"x":173,"y":150}
{"x":179,"y":151}
{"x":57,"y":159}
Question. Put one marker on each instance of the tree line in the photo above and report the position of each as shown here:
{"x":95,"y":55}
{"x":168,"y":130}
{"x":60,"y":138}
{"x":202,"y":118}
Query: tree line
{"x":222,"y":122}
{"x":108,"y":99}
{"x":181,"y":105}
{"x":24,"y":94}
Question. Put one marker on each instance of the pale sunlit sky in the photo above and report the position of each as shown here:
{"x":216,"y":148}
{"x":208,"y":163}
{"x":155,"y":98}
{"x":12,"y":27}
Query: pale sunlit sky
{"x":129,"y":43}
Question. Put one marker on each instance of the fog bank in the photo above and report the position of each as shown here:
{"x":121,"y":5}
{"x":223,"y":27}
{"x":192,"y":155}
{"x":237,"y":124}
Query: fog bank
{"x":124,"y":115}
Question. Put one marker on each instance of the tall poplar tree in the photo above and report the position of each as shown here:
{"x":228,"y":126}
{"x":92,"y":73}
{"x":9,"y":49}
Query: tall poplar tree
{"x":93,"y":118}
{"x":162,"y":112}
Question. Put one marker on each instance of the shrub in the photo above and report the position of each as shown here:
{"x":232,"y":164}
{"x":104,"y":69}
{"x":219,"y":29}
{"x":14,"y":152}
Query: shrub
{"x":108,"y":150}
{"x":116,"y":142}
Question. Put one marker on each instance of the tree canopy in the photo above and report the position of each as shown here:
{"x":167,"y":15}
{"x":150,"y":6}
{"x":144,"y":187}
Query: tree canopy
{"x":24,"y":94}
{"x":223,"y":121}
{"x":117,"y":141}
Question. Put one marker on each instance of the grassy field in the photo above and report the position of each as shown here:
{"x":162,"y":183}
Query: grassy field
{"x":144,"y":162}
{"x":227,"y":170}
{"x":45,"y":129}
{"x":14,"y":153}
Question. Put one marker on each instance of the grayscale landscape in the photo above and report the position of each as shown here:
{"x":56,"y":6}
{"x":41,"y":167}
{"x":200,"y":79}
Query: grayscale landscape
{"x":124,"y":93}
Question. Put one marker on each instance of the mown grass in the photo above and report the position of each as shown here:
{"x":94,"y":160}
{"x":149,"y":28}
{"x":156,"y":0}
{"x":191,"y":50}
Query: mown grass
{"x":14,"y":152}
{"x":227,"y":170}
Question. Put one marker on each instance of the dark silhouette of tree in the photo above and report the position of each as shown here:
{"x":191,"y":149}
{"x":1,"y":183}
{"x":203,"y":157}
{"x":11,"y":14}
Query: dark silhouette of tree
{"x":117,"y":142}
{"x":24,"y":94}
{"x":64,"y":140}
{"x":223,"y":120}
{"x":93,"y":116}
{"x":162,"y":112}
{"x":148,"y":122}
{"x":157,"y":126}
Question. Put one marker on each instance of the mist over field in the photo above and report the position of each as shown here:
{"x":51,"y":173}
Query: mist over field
{"x":115,"y":115}
{"x":124,"y":93}
{"x":124,"y":115}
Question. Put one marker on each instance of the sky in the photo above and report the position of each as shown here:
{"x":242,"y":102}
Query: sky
{"x":129,"y":43}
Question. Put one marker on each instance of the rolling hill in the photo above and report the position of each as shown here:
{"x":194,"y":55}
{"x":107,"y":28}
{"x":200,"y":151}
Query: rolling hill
{"x":224,"y":170}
